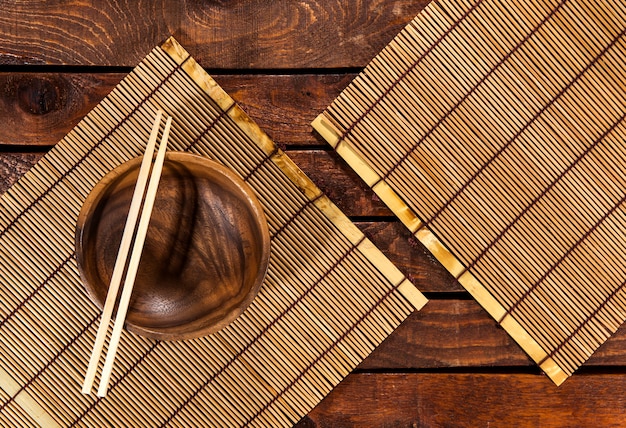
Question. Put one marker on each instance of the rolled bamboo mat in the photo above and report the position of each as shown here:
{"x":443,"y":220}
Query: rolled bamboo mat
{"x":330,"y":297}
{"x":495,"y":131}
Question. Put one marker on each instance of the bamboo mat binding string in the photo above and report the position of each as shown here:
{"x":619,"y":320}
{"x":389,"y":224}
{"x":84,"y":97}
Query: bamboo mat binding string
{"x":495,"y":132}
{"x":285,"y":349}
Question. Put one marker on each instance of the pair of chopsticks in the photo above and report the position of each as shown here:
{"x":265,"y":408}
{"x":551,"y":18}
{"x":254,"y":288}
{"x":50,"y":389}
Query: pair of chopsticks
{"x":122,"y":256}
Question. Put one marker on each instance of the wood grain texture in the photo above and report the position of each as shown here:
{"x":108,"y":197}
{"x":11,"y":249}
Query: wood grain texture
{"x":472,"y":400}
{"x":340,"y":183}
{"x":284,"y":105}
{"x":460,"y":334}
{"x":205,"y":254}
{"x":220,"y":34}
{"x":445,"y":334}
{"x":410,"y":256}
{"x":14,"y":165}
{"x":40,"y":108}
{"x":43,"y":107}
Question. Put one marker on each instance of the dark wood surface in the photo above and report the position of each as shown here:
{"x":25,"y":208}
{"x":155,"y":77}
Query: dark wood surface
{"x":284,"y":62}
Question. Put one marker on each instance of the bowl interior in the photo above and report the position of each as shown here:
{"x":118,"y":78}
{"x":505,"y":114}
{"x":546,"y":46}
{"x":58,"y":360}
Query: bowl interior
{"x":206,"y":249}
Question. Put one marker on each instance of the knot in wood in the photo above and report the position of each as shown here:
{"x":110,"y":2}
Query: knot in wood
{"x":40,"y":95}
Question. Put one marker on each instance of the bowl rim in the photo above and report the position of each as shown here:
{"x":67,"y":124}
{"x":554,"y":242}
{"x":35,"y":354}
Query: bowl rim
{"x":99,"y":190}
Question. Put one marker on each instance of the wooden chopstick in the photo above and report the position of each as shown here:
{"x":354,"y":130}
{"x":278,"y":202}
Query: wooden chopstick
{"x":122,"y":255}
{"x":134,"y":261}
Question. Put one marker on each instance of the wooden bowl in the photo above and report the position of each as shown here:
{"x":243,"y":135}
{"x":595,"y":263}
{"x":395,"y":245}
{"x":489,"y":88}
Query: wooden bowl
{"x":206,"y":251}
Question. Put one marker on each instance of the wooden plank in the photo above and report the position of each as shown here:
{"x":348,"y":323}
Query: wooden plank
{"x":472,"y":400}
{"x":325,"y":168}
{"x":40,"y":108}
{"x":284,"y":105}
{"x":460,"y":334}
{"x":447,"y":333}
{"x":410,"y":256}
{"x":454,"y":335}
{"x":237,"y":34}
{"x":340,"y":183}
{"x":43,"y":107}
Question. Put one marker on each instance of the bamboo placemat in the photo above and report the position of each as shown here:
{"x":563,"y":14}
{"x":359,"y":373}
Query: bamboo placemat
{"x":495,"y":131}
{"x":330,"y":297}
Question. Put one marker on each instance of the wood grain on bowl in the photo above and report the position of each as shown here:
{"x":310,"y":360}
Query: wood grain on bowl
{"x":205,"y":255}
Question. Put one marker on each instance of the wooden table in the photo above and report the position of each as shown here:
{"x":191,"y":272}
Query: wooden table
{"x":284,"y":62}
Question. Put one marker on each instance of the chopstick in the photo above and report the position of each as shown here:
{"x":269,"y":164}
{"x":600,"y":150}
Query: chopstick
{"x":122,"y":255}
{"x":120,"y":263}
{"x":134,"y":261}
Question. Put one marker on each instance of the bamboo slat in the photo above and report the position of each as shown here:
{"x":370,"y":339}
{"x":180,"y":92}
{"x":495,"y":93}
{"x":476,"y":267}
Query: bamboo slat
{"x":495,"y":131}
{"x":329,"y":298}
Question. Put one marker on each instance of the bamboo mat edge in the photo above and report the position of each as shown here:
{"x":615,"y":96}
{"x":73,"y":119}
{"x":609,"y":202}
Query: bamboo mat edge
{"x":295,"y":174}
{"x":25,"y":401}
{"x":405,"y":214}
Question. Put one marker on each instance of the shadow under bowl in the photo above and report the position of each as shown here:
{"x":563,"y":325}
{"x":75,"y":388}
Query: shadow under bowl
{"x":206,"y":250}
